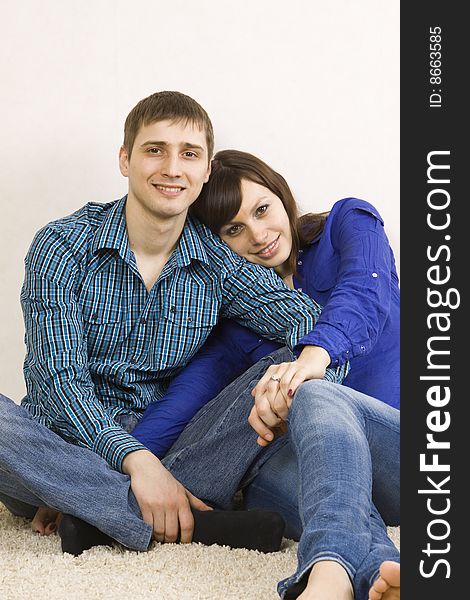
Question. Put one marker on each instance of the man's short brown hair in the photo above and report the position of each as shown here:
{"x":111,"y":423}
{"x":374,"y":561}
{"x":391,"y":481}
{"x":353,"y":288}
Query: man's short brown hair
{"x":163,"y":106}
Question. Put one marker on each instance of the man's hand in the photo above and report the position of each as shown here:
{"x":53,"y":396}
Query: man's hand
{"x":165,"y":504}
{"x":274,"y":391}
{"x":46,"y":520}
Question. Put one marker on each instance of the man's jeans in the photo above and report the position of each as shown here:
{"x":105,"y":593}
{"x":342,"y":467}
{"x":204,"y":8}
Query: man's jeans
{"x":335,"y":433}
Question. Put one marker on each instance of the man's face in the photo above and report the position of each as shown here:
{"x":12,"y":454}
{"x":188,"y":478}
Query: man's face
{"x":168,"y":166}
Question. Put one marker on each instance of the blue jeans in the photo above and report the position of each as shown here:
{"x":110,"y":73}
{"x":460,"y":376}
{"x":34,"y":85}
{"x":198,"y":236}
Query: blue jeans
{"x":340,"y":444}
{"x":336,"y":435}
{"x":355,"y":440}
{"x":38,"y":468}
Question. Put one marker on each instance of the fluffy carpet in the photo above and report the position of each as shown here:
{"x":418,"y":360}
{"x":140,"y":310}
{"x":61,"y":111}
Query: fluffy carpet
{"x":34,"y":568}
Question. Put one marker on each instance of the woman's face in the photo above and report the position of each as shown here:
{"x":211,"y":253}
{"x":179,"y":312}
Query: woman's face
{"x":260,"y":232}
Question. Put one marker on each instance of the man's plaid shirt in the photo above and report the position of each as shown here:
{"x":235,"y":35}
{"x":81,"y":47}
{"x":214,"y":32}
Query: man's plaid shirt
{"x":99,"y":344}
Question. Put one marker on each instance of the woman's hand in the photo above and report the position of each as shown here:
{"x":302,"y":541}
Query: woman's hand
{"x":274,"y":391}
{"x":46,"y":520}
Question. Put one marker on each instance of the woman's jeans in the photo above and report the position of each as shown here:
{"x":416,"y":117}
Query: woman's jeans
{"x":335,"y":434}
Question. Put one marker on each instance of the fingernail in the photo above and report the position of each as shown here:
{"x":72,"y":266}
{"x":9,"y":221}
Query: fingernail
{"x":290,"y":393}
{"x":268,"y":436}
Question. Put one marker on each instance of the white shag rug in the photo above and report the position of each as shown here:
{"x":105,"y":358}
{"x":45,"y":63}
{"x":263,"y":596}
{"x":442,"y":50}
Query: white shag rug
{"x":34,"y":568}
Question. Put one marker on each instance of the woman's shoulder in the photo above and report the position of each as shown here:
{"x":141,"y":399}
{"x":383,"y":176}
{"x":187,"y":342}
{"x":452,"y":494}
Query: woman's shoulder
{"x":345,"y":206}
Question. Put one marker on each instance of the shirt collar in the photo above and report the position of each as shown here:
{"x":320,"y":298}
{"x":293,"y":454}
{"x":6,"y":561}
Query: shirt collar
{"x":112,"y":234}
{"x":191,"y":244}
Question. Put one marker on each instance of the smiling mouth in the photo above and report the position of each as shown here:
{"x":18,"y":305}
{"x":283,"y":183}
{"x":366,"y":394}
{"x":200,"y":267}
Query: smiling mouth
{"x":268,"y":249}
{"x":169,"y":190}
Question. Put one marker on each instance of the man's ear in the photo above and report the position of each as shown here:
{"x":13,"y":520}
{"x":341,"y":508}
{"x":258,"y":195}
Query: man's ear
{"x":123,"y":161}
{"x":206,"y":178}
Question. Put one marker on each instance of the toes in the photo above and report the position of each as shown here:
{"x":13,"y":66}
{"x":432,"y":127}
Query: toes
{"x":380,"y":585}
{"x":390,"y":571}
{"x":373,"y":595}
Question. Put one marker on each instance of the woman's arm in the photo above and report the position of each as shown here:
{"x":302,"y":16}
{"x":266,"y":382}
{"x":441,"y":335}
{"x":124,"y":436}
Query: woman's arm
{"x":229,"y":351}
{"x":216,"y":365}
{"x":354,"y":315}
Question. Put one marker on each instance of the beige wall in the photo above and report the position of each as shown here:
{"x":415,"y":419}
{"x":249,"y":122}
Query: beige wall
{"x":311,"y":86}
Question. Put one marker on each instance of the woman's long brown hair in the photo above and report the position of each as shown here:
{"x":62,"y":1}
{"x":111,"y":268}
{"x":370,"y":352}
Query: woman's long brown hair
{"x":221,"y":198}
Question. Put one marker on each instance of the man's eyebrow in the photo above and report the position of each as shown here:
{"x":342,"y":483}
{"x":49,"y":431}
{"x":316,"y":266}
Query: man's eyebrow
{"x":161,"y":143}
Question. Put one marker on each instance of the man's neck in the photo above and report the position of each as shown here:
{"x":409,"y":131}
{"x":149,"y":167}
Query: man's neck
{"x":152,"y":240}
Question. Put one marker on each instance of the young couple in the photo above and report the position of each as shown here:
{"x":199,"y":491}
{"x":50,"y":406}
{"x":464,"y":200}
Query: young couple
{"x":118,"y":298}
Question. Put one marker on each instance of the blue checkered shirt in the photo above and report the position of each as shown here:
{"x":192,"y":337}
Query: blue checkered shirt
{"x":100,"y":345}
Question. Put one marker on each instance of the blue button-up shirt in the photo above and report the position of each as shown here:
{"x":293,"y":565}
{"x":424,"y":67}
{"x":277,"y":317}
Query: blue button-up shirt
{"x":100,"y":345}
{"x":350,"y":270}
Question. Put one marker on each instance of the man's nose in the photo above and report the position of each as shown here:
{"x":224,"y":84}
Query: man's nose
{"x":171,"y":166}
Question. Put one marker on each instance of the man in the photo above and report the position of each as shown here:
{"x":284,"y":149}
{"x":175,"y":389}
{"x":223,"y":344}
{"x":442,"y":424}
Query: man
{"x":116,"y":300}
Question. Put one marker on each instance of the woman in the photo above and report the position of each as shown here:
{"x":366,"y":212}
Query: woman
{"x":341,"y":259}
{"x":344,"y":261}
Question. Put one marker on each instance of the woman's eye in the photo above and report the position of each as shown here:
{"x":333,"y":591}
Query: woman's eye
{"x":233,"y":230}
{"x":262,"y":209}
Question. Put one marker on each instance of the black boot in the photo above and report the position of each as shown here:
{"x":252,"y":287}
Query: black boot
{"x":251,"y":529}
{"x":77,"y":535}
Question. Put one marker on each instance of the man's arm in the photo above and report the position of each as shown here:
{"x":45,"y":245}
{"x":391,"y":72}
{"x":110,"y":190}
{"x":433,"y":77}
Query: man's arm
{"x":61,"y":389}
{"x":256,"y":297}
{"x":58,"y":380}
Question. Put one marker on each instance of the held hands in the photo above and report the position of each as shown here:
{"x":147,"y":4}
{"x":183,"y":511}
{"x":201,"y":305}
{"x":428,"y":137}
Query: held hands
{"x":274,"y":392}
{"x":165,"y":504}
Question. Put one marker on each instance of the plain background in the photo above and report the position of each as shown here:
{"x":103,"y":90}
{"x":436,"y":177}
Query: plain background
{"x":312,"y":87}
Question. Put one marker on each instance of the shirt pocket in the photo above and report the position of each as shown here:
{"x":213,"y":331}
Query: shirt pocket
{"x":103,"y":332}
{"x":185,"y":325}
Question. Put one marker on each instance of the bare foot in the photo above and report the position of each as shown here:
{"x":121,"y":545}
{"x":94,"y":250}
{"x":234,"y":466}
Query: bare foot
{"x":387,"y":585}
{"x":46,"y":520}
{"x":328,"y":580}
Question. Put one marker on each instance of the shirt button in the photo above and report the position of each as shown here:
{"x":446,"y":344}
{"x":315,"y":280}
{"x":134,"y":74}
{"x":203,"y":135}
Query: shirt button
{"x":374,"y":275}
{"x":132,"y":360}
{"x":362,"y":348}
{"x":144,"y":321}
{"x":299,"y":262}
{"x":300,"y":289}
{"x":190,"y":319}
{"x":94,"y":316}
{"x":173,"y":309}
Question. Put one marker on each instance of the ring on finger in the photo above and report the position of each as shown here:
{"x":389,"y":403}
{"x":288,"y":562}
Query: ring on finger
{"x":275,"y":378}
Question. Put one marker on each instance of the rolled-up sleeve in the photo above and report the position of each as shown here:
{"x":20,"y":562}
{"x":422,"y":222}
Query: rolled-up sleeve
{"x":359,"y":305}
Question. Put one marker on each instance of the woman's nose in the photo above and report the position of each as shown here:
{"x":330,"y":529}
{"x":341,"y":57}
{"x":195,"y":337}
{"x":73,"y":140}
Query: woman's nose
{"x":259,"y":235}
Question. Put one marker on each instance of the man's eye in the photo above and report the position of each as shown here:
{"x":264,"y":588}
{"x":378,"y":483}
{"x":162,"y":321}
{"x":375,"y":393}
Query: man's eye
{"x":234,"y":230}
{"x":154,"y":150}
{"x":190,"y":154}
